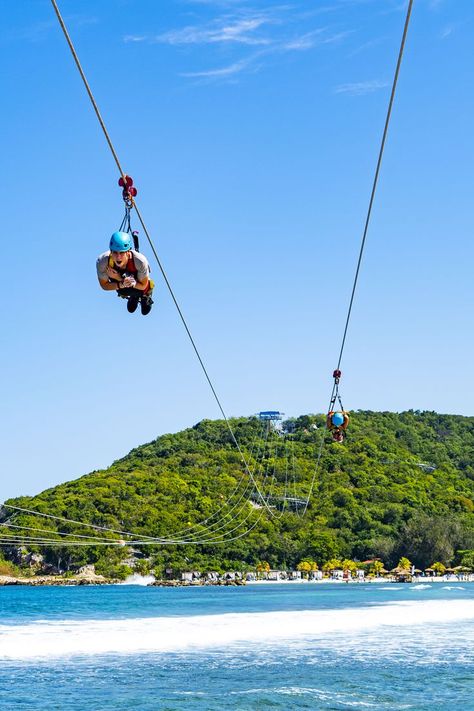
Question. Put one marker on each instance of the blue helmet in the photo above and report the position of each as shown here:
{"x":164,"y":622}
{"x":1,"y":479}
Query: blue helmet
{"x":120,"y":242}
{"x":337,"y":419}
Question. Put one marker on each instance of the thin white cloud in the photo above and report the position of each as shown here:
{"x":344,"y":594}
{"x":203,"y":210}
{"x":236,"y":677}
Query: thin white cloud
{"x":360,"y":88}
{"x":222,"y":72}
{"x":269,"y":32}
{"x":312,"y":39}
{"x":305,"y":41}
{"x":135,"y":38}
{"x":241,"y":31}
{"x":367,"y":46}
{"x":447,"y":31}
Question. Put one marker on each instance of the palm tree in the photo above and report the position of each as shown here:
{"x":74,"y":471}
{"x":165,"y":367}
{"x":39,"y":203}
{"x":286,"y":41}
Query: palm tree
{"x":404,"y":564}
{"x":377,"y":568}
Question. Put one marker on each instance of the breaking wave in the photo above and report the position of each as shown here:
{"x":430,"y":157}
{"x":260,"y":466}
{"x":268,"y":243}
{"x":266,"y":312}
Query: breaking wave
{"x":46,"y":639}
{"x":137,"y":579}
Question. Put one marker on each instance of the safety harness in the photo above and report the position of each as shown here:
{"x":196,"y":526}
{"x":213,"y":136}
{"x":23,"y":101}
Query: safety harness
{"x":130,"y":269}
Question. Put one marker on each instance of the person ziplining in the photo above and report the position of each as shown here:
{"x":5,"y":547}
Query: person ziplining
{"x":122,"y":268}
{"x":337,"y":421}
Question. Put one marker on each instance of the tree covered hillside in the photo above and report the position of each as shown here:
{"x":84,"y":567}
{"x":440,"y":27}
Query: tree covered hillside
{"x":401,"y":484}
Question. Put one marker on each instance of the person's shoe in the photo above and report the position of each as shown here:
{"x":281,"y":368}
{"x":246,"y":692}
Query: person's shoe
{"x":132,"y":303}
{"x":146,"y":303}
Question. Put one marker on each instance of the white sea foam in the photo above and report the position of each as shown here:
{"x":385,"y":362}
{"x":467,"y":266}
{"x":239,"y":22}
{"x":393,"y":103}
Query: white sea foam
{"x":452,"y":587}
{"x":45,"y":639}
{"x":421,"y":586}
{"x":136,"y":579}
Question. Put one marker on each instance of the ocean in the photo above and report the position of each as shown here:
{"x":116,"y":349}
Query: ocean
{"x":262,"y":646}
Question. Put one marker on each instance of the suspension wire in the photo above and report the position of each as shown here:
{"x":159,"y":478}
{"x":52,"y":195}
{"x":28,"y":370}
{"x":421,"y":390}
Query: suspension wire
{"x":61,"y":543}
{"x":155,"y":253}
{"x":79,"y":523}
{"x":316,"y":470}
{"x":151,"y":540}
{"x":266,"y":476}
{"x":51,"y":531}
{"x":286,"y":468}
{"x":376,"y":177}
{"x":274,"y":481}
{"x":223,"y":506}
{"x":8,"y":542}
{"x":11,"y":539}
{"x":147,"y":540}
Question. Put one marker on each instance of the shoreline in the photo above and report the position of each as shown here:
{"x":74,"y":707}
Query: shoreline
{"x":57,"y":581}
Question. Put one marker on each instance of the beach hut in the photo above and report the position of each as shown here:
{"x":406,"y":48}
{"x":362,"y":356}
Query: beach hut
{"x":402,"y":575}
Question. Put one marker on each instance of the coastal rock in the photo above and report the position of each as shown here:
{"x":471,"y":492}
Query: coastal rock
{"x":87,"y":574}
{"x":54,"y":581}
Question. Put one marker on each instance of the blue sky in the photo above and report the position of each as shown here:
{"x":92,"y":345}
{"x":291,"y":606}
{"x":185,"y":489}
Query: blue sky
{"x":251,"y":130}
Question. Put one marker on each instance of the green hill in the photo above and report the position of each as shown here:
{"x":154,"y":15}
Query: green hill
{"x":402,"y":484}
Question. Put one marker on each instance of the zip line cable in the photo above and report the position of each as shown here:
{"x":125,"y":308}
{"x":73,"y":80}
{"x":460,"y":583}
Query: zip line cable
{"x":180,"y":537}
{"x":143,"y":541}
{"x":235,"y":505}
{"x":152,"y":246}
{"x":376,"y":177}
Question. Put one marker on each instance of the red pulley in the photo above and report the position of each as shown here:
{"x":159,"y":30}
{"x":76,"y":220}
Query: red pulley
{"x":128,"y":182}
{"x":337,"y":374}
{"x":132,"y":191}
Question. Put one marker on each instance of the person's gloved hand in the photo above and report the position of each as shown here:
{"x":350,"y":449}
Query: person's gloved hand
{"x":128,"y":283}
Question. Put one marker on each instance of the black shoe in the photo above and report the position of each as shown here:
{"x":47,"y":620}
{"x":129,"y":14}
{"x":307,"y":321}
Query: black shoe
{"x":132,"y":303}
{"x":146,"y":303}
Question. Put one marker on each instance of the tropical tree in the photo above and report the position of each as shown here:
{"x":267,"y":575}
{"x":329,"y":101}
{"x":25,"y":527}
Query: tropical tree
{"x":377,"y":567}
{"x":333,"y":564}
{"x":439,"y":568}
{"x":262,"y":567}
{"x":349,"y":565}
{"x":467,"y":558}
{"x":304,"y":567}
{"x":404,"y":564}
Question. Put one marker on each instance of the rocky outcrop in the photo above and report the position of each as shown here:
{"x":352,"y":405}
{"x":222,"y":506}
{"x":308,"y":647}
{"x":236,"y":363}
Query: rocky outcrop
{"x":54,"y":580}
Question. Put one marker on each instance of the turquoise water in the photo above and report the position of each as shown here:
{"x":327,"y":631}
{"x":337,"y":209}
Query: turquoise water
{"x":277,"y":646}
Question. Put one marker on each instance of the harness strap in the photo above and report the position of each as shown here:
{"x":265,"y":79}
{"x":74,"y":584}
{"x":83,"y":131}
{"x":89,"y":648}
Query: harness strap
{"x":130,"y":268}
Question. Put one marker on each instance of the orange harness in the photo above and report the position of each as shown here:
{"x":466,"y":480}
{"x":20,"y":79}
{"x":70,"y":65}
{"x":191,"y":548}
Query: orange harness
{"x":330,"y":424}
